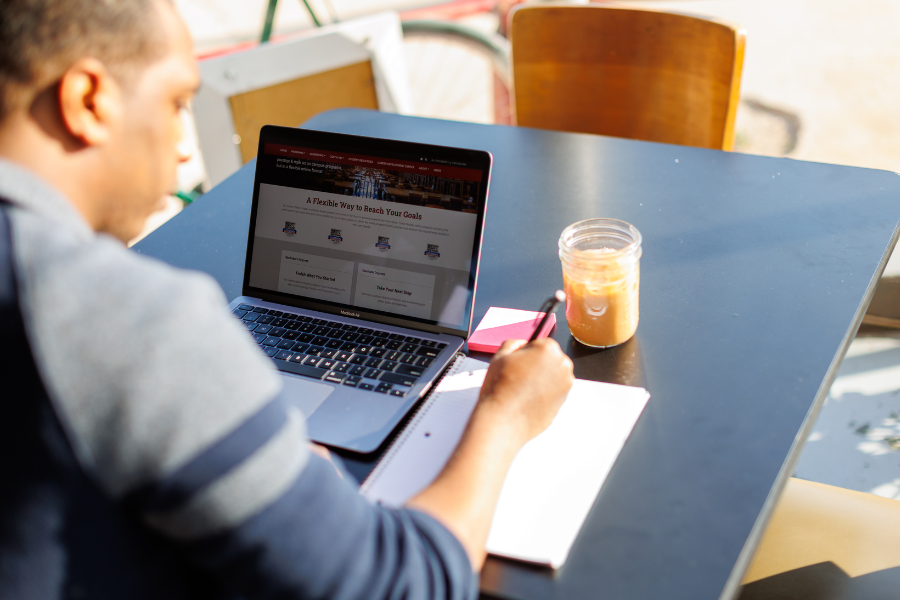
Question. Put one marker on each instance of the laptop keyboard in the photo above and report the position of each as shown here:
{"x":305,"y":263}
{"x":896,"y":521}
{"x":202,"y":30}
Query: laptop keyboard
{"x":340,"y":353}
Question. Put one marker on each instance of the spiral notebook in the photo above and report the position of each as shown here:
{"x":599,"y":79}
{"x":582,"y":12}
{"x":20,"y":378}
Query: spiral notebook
{"x":553,"y":481}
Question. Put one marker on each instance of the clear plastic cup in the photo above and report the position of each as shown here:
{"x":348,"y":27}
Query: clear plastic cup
{"x":601,"y":263}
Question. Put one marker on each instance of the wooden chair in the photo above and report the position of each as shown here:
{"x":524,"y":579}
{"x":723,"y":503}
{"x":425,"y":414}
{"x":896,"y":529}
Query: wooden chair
{"x":640,"y":74}
{"x":827,"y":543}
{"x":356,"y":63}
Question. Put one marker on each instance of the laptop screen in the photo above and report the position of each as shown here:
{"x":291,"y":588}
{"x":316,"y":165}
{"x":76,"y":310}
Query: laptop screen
{"x":376,"y":229}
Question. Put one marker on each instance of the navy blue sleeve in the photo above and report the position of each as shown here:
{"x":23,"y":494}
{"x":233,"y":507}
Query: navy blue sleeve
{"x":321,"y":539}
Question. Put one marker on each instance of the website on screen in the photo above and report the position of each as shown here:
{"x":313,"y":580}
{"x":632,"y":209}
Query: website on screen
{"x":377,"y":233}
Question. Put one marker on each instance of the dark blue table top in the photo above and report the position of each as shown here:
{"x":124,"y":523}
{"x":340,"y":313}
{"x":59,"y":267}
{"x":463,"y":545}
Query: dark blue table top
{"x":755,"y":274}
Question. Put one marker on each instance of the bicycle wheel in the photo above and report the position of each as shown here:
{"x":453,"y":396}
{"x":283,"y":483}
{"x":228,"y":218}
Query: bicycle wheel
{"x":458,"y":69}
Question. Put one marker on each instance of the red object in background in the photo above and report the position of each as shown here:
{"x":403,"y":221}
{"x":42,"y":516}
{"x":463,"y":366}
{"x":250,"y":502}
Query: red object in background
{"x":501,"y":324}
{"x":442,"y":12}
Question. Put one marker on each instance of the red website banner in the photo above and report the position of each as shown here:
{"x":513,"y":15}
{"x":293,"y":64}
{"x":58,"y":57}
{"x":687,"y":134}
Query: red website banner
{"x":374,"y":162}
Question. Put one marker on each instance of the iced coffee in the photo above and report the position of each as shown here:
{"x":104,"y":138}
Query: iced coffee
{"x":601,"y":272}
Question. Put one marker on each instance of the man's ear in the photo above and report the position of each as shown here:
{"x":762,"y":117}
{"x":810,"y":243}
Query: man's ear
{"x":90,"y":101}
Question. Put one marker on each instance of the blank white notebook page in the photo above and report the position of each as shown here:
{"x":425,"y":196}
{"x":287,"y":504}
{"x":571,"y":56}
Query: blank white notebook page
{"x":552,"y":482}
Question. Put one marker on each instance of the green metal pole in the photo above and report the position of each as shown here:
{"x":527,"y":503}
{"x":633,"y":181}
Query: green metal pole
{"x":311,"y":13}
{"x":267,"y":25}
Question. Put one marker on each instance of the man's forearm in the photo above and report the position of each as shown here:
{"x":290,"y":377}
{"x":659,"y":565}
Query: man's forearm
{"x":465,"y":494}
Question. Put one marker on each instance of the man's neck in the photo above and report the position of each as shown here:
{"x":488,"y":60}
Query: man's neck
{"x":59,"y":164}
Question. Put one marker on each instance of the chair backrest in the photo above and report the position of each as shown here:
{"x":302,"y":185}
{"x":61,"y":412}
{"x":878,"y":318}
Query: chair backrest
{"x":640,"y":74}
{"x":358,"y":63}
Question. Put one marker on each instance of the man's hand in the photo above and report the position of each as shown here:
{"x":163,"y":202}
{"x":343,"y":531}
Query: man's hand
{"x":529,"y":382}
{"x":522,"y":392}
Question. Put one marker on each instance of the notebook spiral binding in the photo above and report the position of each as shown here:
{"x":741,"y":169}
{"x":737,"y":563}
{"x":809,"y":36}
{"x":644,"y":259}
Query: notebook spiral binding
{"x":426,"y":405}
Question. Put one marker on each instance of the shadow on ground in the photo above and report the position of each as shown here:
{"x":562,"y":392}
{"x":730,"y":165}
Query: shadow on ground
{"x":825,"y":581}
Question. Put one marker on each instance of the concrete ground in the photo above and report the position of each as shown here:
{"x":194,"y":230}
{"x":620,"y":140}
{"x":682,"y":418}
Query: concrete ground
{"x":821,"y":82}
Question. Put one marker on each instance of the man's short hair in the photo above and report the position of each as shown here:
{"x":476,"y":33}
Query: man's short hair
{"x":40,"y":39}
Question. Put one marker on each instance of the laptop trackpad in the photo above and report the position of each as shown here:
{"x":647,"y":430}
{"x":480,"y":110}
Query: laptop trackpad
{"x":305,"y":394}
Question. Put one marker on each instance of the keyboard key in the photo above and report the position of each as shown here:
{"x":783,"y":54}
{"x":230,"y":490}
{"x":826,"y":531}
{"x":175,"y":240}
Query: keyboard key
{"x":320,"y":340}
{"x":394,"y":345}
{"x":351,"y":336}
{"x":292,"y":325}
{"x":378,"y":352}
{"x":352,"y":380}
{"x":343,"y":355}
{"x":379,"y":342}
{"x":279,"y":322}
{"x":270,"y":341}
{"x":409,"y":370}
{"x":393,"y":355}
{"x":259,"y":337}
{"x":300,"y":348}
{"x":318,"y":321}
{"x":251,"y":317}
{"x":277,"y":331}
{"x":284,"y":355}
{"x":305,"y":338}
{"x":429,"y":343}
{"x":425,"y":362}
{"x":365,"y":339}
{"x":308,"y":328}
{"x":315,"y":350}
{"x":288,"y":316}
{"x":409,"y":348}
{"x":399,"y":378}
{"x":334,"y":324}
{"x":397,"y":337}
{"x":298,"y":357}
{"x":250,"y":325}
{"x":304,"y":319}
{"x":336,"y":344}
{"x":342,"y":367}
{"x":263,"y":328}
{"x":399,"y":393}
{"x":349,"y":327}
{"x":260,"y":310}
{"x":365,"y":331}
{"x":285,"y":344}
{"x":409,"y":359}
{"x":312,"y":361}
{"x":333,"y":377}
{"x":349,"y":346}
{"x":388,"y":365}
{"x":379,"y":334}
{"x":372,"y":374}
{"x":363,"y":349}
{"x":290,"y":335}
{"x":327,"y":363}
{"x":245,"y":307}
{"x":265,"y":319}
{"x":358,"y":359}
{"x":430,"y":352}
{"x":270,"y":351}
{"x":321,"y":330}
{"x":383,"y":388}
{"x":373,"y":362}
{"x":239,"y":313}
{"x":365,"y":386}
{"x":357,"y":370}
{"x":328,"y":353}
{"x":298,"y":369}
{"x":413,"y":340}
{"x":275,"y":313}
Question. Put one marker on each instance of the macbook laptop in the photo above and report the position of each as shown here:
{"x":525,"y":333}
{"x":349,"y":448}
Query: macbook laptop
{"x":360,"y":274}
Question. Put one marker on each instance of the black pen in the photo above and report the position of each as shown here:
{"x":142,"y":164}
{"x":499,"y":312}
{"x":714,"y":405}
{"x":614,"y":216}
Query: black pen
{"x":547,"y":308}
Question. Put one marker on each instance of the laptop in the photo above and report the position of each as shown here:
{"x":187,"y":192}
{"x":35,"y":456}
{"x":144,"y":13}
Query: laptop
{"x":359,"y":281}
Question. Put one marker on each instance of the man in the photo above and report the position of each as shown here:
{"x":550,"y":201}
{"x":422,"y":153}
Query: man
{"x":146,"y":451}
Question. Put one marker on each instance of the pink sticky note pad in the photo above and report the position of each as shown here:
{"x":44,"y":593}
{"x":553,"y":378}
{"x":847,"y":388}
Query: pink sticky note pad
{"x":501,"y":324}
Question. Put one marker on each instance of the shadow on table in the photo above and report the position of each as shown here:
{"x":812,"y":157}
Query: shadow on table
{"x":825,"y":581}
{"x":622,"y":364}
